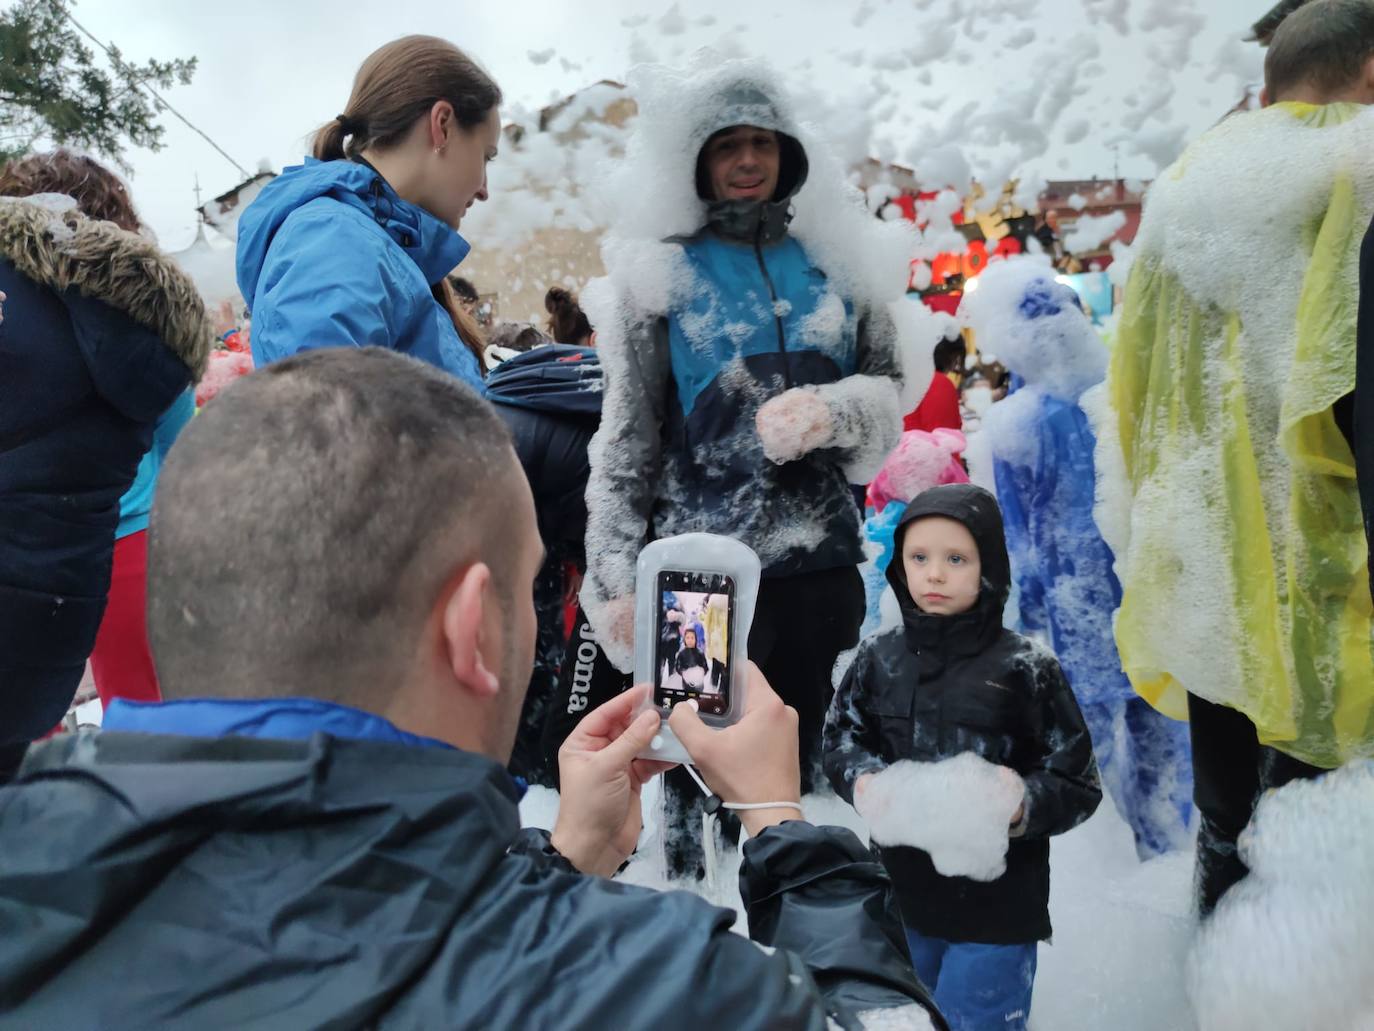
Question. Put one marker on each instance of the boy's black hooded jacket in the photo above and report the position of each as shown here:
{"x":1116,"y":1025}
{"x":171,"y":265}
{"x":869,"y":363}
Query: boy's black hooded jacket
{"x":941,"y":685}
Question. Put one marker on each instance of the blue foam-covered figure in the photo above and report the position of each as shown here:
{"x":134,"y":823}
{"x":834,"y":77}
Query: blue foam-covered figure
{"x":1042,"y":445}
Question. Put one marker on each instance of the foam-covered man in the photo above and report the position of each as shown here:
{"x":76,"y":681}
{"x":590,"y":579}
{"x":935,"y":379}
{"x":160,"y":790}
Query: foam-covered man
{"x":1229,"y":494}
{"x":952,"y":680}
{"x":1042,"y":448}
{"x":745,"y":396}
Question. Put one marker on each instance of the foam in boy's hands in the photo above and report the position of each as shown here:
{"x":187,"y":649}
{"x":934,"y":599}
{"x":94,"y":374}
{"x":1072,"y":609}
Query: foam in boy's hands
{"x":958,"y":810}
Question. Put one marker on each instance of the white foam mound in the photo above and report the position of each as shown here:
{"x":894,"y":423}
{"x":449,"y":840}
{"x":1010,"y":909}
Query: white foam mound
{"x":1291,"y":948}
{"x":958,"y":810}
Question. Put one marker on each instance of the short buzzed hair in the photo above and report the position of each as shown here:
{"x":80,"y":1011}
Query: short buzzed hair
{"x":307,"y":520}
{"x":1323,"y":44}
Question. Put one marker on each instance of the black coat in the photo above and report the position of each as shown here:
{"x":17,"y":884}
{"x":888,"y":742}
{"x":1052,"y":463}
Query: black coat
{"x":1359,"y":429}
{"x":157,"y":881}
{"x":942,"y":685}
{"x":550,"y":400}
{"x":100,"y":335}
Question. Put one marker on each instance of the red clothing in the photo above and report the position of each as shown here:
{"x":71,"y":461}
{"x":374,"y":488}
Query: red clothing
{"x":122,"y":662}
{"x":939,"y":409}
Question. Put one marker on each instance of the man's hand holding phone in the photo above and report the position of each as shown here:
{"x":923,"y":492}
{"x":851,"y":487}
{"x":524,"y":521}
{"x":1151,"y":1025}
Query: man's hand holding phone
{"x":599,"y":812}
{"x":752,"y":761}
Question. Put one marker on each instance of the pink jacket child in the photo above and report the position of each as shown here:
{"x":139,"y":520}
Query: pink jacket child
{"x":920,"y":460}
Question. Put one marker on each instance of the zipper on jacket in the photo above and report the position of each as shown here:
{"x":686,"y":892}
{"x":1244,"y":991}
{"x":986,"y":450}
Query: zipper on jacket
{"x":773,"y":296}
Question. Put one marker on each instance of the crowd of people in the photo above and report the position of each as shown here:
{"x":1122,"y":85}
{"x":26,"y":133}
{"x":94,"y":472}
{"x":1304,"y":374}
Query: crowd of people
{"x":333,"y":652}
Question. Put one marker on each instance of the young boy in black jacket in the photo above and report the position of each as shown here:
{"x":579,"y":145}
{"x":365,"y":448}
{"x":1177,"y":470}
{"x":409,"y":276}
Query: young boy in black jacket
{"x":953,"y":680}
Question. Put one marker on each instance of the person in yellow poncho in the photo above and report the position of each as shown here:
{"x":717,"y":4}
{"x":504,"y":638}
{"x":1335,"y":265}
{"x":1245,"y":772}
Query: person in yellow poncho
{"x":1228,"y":492}
{"x":715,"y":615}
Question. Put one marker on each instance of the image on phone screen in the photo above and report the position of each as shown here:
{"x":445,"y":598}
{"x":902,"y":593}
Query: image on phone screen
{"x":695,"y":617}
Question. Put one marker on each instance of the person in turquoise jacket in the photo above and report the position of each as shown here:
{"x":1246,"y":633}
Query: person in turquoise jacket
{"x":122,"y":662}
{"x":745,"y":406}
{"x":352,"y":247}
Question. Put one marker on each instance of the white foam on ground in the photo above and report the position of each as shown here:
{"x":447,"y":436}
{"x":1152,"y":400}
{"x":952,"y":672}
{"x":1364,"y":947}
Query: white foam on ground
{"x":1291,"y":947}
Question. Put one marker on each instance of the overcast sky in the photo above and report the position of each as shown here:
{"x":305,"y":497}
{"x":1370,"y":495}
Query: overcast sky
{"x":1061,"y":87}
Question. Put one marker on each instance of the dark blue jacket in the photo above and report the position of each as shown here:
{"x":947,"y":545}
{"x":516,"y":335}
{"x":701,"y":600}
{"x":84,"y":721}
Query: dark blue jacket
{"x":550,"y":399}
{"x":291,"y":863}
{"x":100,"y":335}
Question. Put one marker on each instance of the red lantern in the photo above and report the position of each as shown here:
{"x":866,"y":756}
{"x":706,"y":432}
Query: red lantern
{"x":975,"y":259}
{"x":1007,"y":247}
{"x":945,"y":266}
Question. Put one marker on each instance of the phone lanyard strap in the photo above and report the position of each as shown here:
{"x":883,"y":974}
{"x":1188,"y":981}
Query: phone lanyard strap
{"x":714,"y":802}
{"x":762,"y":805}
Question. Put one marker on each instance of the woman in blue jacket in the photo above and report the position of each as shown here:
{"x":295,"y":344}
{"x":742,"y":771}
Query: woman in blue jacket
{"x":352,"y":248}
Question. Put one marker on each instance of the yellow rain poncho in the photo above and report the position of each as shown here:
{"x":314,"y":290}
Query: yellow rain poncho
{"x":1237,"y":525}
{"x":717,"y":624}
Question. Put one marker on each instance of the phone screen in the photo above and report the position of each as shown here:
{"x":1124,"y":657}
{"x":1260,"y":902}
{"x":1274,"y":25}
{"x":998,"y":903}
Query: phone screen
{"x":695,"y":616}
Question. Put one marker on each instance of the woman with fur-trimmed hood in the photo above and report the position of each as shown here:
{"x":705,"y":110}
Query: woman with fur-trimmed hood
{"x":101,"y":333}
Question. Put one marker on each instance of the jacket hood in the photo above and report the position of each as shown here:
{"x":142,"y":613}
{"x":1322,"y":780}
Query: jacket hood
{"x":65,"y":251}
{"x":434,"y":246}
{"x":745,"y":102}
{"x":558,"y":379}
{"x":977,"y":510}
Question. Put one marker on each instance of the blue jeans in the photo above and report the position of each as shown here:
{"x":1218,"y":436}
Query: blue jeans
{"x":977,"y":987}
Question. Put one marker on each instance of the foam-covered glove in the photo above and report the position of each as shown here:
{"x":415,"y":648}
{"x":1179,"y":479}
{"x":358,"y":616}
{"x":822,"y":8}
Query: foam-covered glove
{"x":793,"y":424}
{"x":613,"y":622}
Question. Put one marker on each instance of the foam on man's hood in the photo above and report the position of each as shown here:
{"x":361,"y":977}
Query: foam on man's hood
{"x":747,"y":102}
{"x":652,"y":194}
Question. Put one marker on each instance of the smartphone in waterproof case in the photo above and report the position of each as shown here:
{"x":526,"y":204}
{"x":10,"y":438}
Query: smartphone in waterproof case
{"x":695,"y":597}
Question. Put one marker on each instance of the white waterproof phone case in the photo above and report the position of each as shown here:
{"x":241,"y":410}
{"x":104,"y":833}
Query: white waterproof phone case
{"x":694,"y":605}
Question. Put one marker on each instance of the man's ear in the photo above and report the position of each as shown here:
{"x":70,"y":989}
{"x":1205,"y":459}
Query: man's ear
{"x":1264,"y":96}
{"x":1367,"y":82}
{"x":463,"y":636}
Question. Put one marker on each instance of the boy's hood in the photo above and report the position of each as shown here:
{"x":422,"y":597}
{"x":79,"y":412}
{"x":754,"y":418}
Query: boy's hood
{"x":977,"y":510}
